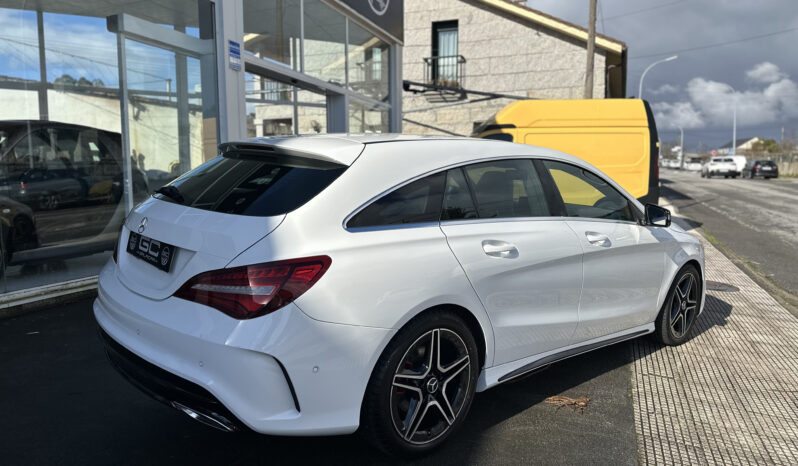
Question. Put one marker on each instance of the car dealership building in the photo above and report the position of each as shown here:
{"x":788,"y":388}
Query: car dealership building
{"x":105,"y":101}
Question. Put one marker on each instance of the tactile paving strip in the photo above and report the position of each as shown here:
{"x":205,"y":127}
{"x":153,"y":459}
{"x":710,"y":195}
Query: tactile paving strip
{"x":730,"y":394}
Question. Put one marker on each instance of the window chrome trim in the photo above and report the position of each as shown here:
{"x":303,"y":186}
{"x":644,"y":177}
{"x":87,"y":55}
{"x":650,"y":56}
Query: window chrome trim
{"x":398,"y":226}
{"x":479,"y":220}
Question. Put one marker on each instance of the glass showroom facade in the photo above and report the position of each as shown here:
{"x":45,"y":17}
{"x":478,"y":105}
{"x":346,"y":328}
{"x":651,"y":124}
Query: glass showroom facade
{"x":104,"y":102}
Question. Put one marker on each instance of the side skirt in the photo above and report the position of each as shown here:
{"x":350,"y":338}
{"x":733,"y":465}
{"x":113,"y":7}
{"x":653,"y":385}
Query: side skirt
{"x":495,"y":375}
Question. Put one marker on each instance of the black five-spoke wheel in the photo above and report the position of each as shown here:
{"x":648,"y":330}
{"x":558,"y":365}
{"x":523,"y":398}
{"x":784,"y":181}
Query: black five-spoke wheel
{"x":681,"y":308}
{"x":423,"y":385}
{"x":683,"y":305}
{"x":430,"y":385}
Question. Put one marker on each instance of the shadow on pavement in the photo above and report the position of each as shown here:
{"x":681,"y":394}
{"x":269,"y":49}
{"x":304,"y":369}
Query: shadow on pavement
{"x":62,"y":402}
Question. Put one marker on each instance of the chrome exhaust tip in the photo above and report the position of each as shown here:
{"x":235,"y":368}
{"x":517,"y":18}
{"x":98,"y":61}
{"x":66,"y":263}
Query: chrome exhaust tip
{"x":212,"y":420}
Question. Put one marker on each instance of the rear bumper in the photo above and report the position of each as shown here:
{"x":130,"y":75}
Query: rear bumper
{"x":168,"y":388}
{"x":283,"y":373}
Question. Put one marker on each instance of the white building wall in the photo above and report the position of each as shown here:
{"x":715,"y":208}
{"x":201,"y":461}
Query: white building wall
{"x":504,"y":55}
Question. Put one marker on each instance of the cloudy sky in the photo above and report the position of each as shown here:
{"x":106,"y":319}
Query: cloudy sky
{"x":758,"y":58}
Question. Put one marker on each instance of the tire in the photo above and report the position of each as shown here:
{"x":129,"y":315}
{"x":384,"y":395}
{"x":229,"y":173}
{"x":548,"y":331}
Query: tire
{"x":751,"y":175}
{"x":682,"y":305}
{"x":404,"y":375}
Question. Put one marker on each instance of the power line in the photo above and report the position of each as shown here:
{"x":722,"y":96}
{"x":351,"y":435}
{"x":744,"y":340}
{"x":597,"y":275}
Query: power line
{"x":717,"y":44}
{"x":601,"y":13}
{"x":643,"y":10}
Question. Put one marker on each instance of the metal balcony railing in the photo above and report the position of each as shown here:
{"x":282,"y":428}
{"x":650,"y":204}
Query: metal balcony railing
{"x":446,"y":71}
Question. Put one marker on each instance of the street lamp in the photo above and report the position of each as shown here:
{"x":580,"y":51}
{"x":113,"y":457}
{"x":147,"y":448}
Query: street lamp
{"x":681,"y":147}
{"x":640,"y":91}
{"x":734,"y":121}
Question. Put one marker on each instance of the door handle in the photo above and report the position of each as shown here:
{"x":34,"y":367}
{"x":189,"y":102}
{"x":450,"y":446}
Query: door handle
{"x":599,"y":239}
{"x":495,"y":248}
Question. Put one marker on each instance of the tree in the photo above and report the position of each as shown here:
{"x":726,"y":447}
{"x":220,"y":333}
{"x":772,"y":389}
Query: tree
{"x":765,"y":146}
{"x":65,"y":80}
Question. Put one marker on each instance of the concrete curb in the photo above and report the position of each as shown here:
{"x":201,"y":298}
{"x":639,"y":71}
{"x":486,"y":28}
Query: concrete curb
{"x":33,"y":299}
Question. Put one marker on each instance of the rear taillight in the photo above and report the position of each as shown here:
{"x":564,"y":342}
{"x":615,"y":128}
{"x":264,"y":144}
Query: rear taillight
{"x":756,"y":166}
{"x":254,"y":290}
{"x":23,"y":186}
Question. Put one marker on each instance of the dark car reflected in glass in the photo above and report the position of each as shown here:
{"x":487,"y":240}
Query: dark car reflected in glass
{"x":66,"y":181}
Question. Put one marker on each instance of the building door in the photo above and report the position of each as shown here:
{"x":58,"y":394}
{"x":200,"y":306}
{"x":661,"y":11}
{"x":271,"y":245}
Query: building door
{"x":167,"y":82}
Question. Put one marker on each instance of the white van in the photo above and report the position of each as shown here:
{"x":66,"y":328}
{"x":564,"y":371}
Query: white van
{"x":739,"y":161}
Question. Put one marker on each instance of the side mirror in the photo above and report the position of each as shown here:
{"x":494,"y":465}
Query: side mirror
{"x":657,"y":216}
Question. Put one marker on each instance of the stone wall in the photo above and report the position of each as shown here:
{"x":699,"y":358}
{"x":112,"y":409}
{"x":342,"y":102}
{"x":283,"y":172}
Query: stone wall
{"x":504,"y":54}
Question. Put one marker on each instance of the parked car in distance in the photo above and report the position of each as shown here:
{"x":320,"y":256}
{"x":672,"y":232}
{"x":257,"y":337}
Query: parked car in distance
{"x":693,"y":164}
{"x":767,"y":169}
{"x":317,"y":285}
{"x":71,"y":177}
{"x":720,"y":166}
{"x":17,"y":230}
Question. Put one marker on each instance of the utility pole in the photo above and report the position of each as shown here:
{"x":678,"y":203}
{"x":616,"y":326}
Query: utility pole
{"x":591,"y":44}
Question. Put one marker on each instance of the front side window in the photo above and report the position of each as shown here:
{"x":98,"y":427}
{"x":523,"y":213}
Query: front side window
{"x":416,"y":202}
{"x":587,"y":195}
{"x":507,"y":188}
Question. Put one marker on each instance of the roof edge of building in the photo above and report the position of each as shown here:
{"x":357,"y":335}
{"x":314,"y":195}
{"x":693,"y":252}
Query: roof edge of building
{"x":578,"y":32}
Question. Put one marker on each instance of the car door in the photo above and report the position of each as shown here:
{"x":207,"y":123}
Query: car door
{"x":525,"y":266}
{"x":623,"y":261}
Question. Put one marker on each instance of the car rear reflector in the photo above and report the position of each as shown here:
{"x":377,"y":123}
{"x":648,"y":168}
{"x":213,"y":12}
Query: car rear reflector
{"x":254,"y":290}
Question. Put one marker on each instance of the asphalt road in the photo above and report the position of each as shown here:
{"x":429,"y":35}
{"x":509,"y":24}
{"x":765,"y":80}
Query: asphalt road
{"x":62,"y":403}
{"x":756,"y":220}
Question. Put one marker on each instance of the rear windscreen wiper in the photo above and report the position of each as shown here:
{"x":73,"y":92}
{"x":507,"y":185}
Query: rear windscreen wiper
{"x":171,"y":192}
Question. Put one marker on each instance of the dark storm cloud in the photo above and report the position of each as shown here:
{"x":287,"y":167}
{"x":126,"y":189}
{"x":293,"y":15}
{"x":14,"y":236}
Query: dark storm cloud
{"x":693,"y":91}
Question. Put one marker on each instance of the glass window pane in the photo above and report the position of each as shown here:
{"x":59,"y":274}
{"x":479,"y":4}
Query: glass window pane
{"x":587,"y":195}
{"x":368,"y":63}
{"x":325,"y":39}
{"x":367,"y":119}
{"x":457,"y":201}
{"x":61,"y":163}
{"x":19,"y":48}
{"x":270,"y":108}
{"x":507,"y":188}
{"x":271,"y":30}
{"x":243,"y":186}
{"x":417,"y":202}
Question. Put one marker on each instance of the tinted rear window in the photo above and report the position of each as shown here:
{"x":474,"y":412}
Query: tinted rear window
{"x":248,"y":186}
{"x":416,"y":202}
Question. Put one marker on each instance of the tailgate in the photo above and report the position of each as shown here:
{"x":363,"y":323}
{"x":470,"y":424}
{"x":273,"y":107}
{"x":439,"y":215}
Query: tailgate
{"x":204,"y":240}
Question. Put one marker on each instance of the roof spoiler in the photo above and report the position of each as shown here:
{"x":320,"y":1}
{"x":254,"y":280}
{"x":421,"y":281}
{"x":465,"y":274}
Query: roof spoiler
{"x":278,"y":155}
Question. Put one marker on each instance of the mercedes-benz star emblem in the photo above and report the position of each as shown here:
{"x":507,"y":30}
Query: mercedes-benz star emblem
{"x":432,"y":385}
{"x":142,"y":225}
{"x":379,"y":6}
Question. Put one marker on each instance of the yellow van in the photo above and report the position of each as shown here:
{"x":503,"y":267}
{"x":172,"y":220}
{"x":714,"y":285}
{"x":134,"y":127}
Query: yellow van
{"x":618,"y":136}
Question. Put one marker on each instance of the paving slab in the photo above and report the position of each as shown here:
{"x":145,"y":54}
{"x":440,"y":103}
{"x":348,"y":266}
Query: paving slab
{"x":730,"y":394}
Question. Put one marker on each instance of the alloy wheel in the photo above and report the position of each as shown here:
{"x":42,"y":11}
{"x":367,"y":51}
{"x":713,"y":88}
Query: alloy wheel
{"x":430,"y":386}
{"x":684,"y":304}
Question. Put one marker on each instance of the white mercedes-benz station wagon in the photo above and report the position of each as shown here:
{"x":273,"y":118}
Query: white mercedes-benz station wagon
{"x":320,"y":285}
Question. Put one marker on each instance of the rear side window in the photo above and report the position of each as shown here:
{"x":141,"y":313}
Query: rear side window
{"x":587,"y":195}
{"x":416,"y":202}
{"x":457,"y":201}
{"x":507,"y":188}
{"x":252,"y":187}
